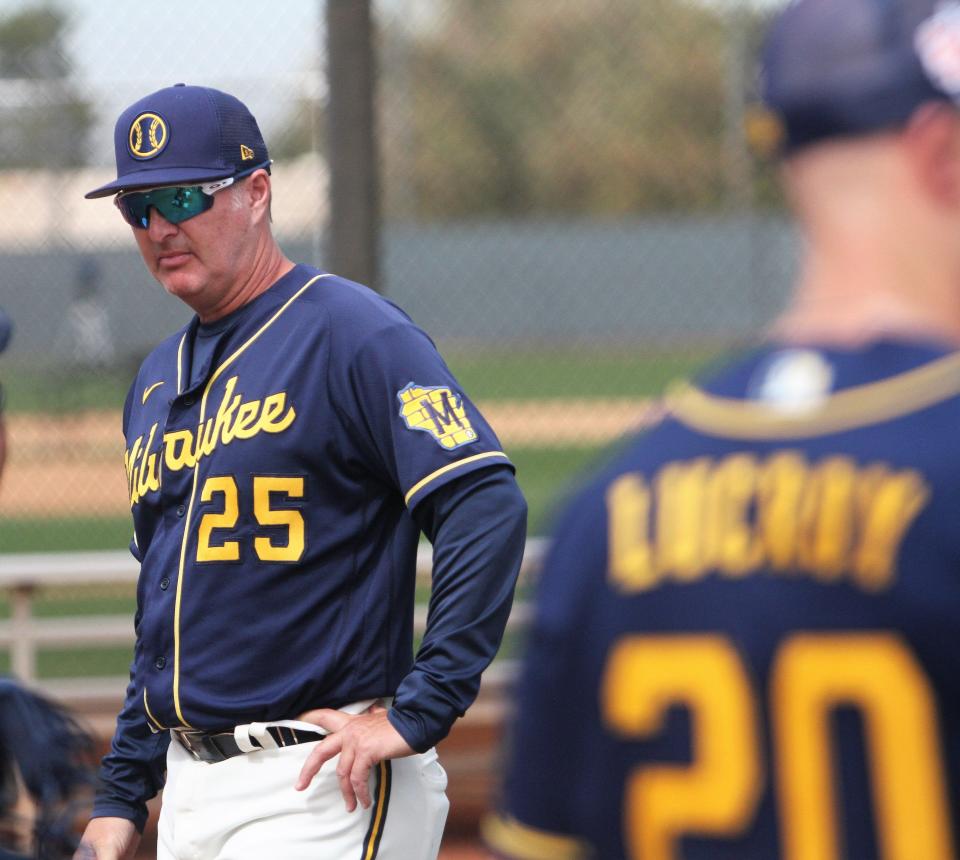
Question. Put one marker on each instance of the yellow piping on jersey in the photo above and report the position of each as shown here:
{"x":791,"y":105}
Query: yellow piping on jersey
{"x":193,"y":492}
{"x":180,"y":363}
{"x":444,"y":469}
{"x":150,"y":715}
{"x":859,"y":406}
{"x":508,"y":836}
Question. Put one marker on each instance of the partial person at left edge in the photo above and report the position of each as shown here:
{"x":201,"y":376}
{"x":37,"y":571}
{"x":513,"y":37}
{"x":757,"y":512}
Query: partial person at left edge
{"x":285,"y":450}
{"x":6,"y":332}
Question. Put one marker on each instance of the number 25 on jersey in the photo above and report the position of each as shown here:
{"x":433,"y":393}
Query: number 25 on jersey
{"x":265,"y":489}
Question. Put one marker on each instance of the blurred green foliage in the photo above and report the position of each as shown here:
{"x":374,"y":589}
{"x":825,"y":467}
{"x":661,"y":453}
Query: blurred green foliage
{"x":43,"y":120}
{"x":567,"y":107}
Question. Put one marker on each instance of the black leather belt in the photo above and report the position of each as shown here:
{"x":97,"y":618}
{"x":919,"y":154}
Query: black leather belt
{"x":219,"y":746}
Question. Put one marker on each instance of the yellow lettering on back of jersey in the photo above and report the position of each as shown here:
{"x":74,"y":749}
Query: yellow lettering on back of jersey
{"x":833,"y":520}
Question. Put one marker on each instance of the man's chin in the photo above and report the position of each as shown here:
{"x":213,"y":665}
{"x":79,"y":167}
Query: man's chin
{"x":182,"y":285}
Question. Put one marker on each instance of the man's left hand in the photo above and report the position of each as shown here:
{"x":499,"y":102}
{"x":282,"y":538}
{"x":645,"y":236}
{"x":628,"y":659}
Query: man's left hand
{"x":362,"y":741}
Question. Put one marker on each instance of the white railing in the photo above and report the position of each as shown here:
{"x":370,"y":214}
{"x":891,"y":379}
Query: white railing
{"x":23,"y":576}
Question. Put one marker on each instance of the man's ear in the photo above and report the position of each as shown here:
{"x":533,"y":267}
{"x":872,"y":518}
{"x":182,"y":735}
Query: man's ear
{"x":259,"y":192}
{"x":932,"y":142}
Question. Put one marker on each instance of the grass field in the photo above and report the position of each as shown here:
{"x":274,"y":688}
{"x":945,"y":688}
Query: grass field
{"x":583,"y":372}
{"x":59,"y":391}
{"x":64,"y":533}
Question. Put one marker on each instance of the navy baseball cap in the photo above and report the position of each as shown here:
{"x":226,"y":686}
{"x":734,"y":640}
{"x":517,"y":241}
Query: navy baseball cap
{"x":184,"y":135}
{"x":835,"y":68}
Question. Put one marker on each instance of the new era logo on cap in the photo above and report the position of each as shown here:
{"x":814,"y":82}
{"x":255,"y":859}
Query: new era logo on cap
{"x":184,"y":135}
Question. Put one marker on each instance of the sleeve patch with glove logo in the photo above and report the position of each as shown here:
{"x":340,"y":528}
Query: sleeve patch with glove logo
{"x":437,"y":411}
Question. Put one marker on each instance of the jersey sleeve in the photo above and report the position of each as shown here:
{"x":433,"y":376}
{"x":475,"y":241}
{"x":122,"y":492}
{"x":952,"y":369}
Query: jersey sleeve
{"x":133,"y":771}
{"x":405,"y":410}
{"x":478,"y":527}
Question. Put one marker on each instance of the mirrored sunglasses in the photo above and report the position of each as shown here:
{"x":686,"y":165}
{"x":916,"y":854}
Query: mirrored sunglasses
{"x":176,"y":203}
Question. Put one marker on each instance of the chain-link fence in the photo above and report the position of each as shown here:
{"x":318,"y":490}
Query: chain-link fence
{"x":570,"y":207}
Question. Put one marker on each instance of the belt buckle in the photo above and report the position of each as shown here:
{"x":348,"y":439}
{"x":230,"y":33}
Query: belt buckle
{"x":186,"y":741}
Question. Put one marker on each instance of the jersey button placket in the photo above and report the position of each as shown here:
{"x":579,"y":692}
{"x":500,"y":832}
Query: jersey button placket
{"x":160,"y":662}
{"x":165,"y":583}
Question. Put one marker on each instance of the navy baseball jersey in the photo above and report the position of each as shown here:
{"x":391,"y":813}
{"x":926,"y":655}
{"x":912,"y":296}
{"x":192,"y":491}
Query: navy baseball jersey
{"x":745,"y":639}
{"x":275,"y":461}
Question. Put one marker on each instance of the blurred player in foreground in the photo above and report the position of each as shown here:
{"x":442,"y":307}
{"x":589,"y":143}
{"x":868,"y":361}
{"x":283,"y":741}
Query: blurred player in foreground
{"x":745,"y":642}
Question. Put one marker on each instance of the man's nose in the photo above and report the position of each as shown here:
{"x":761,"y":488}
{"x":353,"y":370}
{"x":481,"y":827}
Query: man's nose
{"x":158,"y":227}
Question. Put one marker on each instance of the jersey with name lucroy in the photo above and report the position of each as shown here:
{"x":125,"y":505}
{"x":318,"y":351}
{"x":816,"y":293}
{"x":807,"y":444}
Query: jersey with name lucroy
{"x":272,"y":467}
{"x":745,"y":642}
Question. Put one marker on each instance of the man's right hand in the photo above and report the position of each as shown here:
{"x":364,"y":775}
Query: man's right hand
{"x":108,"y":839}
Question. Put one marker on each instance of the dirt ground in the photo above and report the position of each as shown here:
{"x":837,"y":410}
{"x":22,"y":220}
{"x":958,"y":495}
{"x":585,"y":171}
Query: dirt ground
{"x":61,"y":465}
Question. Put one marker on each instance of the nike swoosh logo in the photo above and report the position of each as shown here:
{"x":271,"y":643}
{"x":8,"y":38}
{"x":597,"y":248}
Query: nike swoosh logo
{"x":149,"y":391}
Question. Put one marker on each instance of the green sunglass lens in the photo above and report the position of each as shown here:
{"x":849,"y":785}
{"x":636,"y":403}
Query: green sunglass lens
{"x":175,"y":204}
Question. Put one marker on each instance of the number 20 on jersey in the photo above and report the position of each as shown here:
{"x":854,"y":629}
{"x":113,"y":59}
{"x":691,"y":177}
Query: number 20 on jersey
{"x":812,"y":674}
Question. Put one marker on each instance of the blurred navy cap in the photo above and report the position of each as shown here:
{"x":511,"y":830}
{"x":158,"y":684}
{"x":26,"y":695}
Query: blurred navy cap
{"x":6,"y":330}
{"x":184,"y":135}
{"x":833,"y":68}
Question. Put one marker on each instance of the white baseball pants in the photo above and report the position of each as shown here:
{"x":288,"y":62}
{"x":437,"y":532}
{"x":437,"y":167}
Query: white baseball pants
{"x":246,"y":808}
